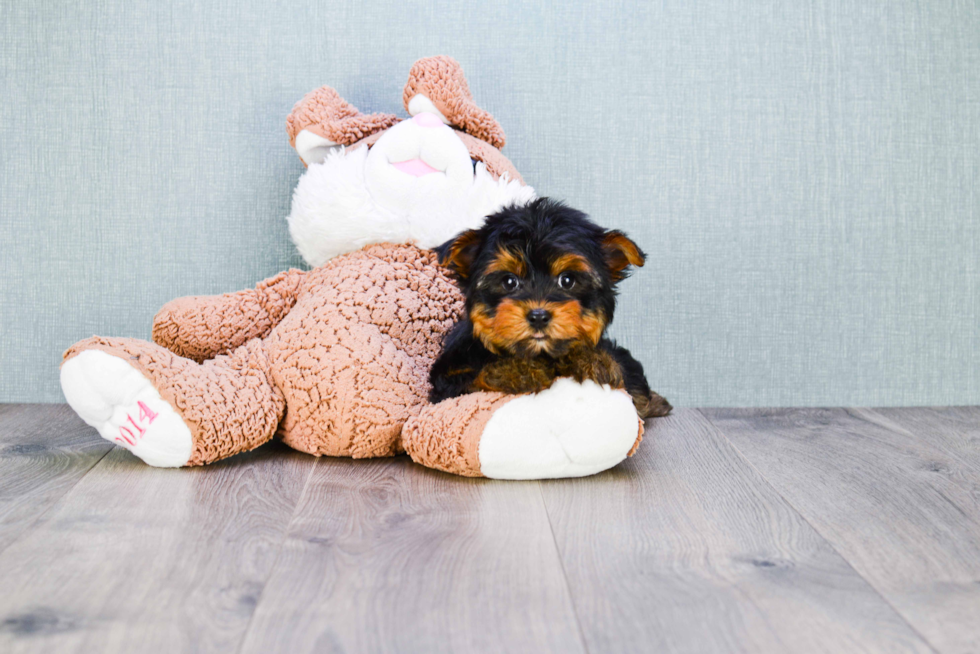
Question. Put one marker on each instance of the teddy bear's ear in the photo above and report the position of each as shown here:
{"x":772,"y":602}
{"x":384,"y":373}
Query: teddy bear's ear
{"x":459,"y":253}
{"x":323,"y":121}
{"x":620,"y":253}
{"x":437,"y":85}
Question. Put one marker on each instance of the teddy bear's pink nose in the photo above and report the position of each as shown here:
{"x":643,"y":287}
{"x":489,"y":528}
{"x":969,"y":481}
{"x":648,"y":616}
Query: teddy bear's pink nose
{"x":425,"y":119}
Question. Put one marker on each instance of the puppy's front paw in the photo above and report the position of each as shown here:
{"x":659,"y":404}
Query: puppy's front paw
{"x":589,"y":363}
{"x":515,"y":376}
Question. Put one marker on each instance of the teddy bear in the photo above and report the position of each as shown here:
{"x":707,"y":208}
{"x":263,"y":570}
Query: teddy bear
{"x":335,"y":360}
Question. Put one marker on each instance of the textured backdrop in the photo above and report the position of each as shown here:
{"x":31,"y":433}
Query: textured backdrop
{"x":803,"y":173}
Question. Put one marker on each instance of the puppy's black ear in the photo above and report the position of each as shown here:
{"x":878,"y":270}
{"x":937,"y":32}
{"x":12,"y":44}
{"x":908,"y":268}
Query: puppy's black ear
{"x":620,"y":253}
{"x":459,"y":253}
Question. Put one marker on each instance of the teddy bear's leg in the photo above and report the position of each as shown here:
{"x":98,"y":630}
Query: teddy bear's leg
{"x":568,"y":430}
{"x":170,"y":411}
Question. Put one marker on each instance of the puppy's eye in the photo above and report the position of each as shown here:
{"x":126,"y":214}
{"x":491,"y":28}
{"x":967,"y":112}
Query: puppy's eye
{"x":566,"y":281}
{"x":510,"y":283}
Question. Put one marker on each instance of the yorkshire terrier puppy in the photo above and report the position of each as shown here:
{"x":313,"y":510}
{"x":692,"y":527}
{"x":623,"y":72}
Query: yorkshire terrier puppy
{"x":540,"y":286}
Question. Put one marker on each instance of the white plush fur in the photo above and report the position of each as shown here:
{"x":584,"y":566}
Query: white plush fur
{"x":569,"y":430}
{"x":355,"y":198}
{"x":105,"y":392}
{"x":313,"y":148}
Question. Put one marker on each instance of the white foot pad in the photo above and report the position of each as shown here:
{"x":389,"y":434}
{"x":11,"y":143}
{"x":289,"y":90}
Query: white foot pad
{"x":125,"y":408}
{"x":569,"y":430}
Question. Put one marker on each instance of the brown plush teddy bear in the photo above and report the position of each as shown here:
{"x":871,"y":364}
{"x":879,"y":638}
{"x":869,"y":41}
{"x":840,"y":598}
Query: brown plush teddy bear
{"x":335,"y":360}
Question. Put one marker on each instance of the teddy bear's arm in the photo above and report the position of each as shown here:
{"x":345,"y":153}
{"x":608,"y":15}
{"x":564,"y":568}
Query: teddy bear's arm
{"x":567,"y":430}
{"x":202,"y":327}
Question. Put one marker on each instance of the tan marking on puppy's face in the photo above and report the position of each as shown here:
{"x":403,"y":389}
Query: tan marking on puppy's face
{"x":593,"y":324}
{"x":508,"y":261}
{"x":570,"y":323}
{"x":507,"y":329}
{"x":503,"y":330}
{"x":570,"y":263}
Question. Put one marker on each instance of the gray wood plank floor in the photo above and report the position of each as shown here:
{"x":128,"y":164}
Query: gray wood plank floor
{"x":897,"y":493}
{"x":750,"y":530}
{"x":44,"y":451}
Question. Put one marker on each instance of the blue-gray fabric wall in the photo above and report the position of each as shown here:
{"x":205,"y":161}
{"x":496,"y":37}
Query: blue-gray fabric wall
{"x":803,"y":174}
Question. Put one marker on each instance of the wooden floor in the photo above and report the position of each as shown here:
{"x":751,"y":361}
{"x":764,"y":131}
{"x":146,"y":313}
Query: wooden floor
{"x":805,"y":530}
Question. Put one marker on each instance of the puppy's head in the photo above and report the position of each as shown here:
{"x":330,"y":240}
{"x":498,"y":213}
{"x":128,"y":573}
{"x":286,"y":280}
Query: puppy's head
{"x":540,"y":278}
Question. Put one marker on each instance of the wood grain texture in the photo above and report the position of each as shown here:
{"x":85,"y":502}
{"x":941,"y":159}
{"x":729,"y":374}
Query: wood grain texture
{"x":686,"y":548}
{"x":804,"y":530}
{"x":387,"y":556}
{"x":952,"y":430}
{"x":895,"y":492}
{"x":44,"y":450}
{"x":138,"y":559}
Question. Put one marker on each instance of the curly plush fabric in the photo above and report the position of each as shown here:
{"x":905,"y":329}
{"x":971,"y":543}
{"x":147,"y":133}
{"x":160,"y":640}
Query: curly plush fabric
{"x":353,"y":357}
{"x":425,"y":439}
{"x":203,"y":327}
{"x":327,"y":114}
{"x":441,"y":80}
{"x":339,"y":375}
{"x":639,"y":439}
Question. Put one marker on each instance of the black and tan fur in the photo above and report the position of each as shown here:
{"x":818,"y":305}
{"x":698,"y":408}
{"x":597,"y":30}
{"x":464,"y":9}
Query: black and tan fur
{"x":540,"y":284}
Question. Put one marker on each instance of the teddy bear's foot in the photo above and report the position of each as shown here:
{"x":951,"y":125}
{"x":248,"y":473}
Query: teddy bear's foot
{"x":568,"y":430}
{"x":125,"y":408}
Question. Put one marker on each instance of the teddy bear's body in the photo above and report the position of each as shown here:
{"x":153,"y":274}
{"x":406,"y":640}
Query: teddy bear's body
{"x":313,"y":342}
{"x":336,"y":359}
{"x":371,"y":319}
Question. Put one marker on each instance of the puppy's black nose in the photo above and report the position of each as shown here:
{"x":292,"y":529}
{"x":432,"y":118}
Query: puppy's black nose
{"x":538,"y":318}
